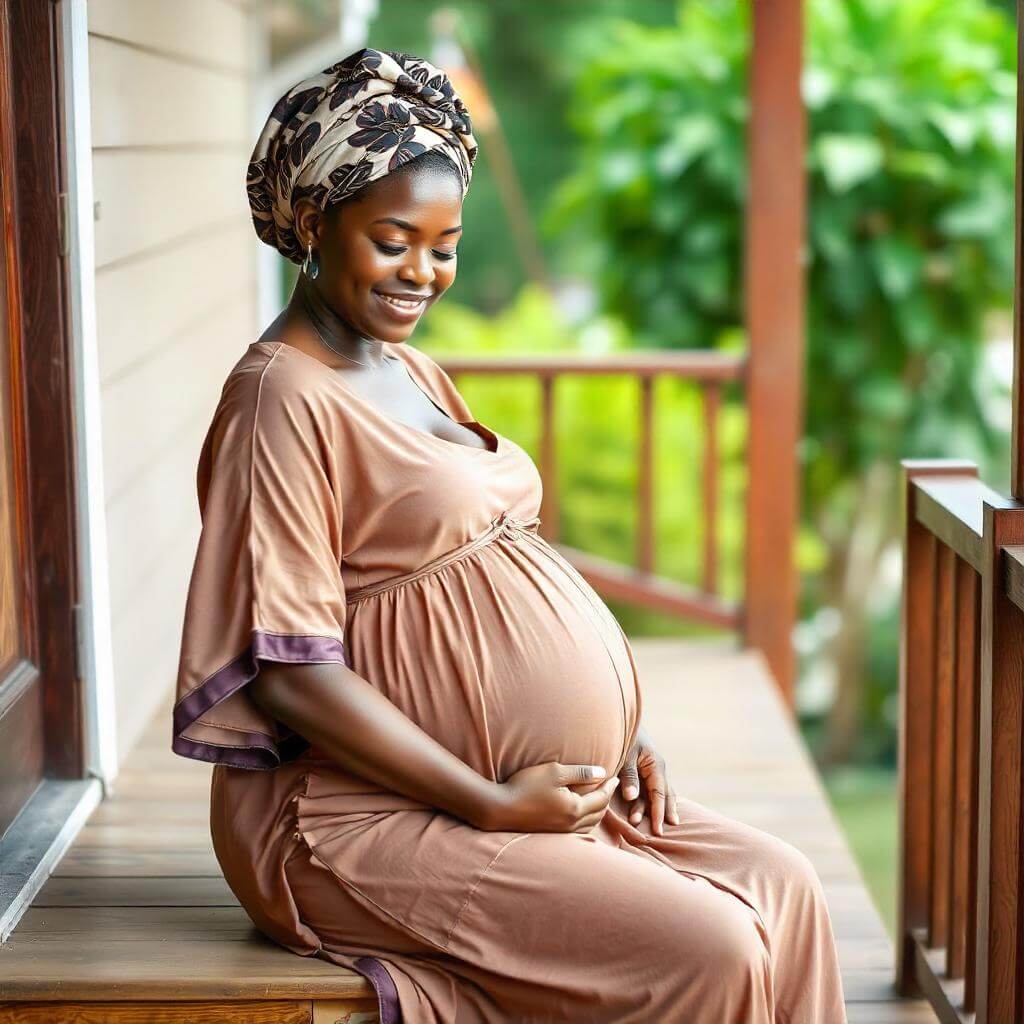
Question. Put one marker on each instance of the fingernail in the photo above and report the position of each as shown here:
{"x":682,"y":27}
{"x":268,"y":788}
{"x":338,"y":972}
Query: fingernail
{"x":630,"y":792}
{"x":597,"y":771}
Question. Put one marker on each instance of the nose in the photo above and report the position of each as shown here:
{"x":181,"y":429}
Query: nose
{"x":417,"y":268}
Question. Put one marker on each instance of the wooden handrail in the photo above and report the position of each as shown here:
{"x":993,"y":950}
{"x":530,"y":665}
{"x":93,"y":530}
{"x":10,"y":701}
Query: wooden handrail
{"x":710,"y":371}
{"x":961,"y":746}
{"x":952,"y":507}
{"x":692,"y":364}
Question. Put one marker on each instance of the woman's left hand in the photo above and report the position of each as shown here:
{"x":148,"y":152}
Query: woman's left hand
{"x":644,"y":762}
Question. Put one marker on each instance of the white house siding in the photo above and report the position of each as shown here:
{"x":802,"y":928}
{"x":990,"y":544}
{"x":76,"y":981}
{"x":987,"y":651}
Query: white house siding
{"x":176,"y":299}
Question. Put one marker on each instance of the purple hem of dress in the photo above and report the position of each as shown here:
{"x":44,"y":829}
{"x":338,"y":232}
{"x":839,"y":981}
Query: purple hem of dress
{"x":256,"y":749}
{"x":387,"y":994}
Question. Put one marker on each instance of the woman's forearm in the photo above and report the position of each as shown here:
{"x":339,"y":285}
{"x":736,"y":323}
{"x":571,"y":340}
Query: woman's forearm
{"x":355,"y":725}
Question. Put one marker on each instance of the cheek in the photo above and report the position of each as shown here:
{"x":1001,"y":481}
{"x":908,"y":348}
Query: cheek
{"x":446,"y":275}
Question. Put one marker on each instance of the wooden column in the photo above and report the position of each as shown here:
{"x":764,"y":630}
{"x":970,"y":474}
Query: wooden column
{"x":775,"y":325}
{"x":1017,"y":456}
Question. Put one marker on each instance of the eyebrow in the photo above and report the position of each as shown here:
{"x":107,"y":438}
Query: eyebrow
{"x":412,"y":227}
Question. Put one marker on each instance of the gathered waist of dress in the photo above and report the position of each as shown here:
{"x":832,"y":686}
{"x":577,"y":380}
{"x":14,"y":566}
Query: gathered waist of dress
{"x":503,"y":524}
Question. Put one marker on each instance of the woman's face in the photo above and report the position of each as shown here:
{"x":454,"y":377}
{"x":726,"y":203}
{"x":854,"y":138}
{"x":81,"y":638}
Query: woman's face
{"x":387,"y":258}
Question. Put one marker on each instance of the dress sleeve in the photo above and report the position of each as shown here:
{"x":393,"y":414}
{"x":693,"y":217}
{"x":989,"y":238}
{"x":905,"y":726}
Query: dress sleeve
{"x":266,"y":583}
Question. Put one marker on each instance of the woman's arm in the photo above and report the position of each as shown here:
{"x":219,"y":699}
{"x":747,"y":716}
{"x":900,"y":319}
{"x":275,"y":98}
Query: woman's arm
{"x":356,"y":726}
{"x":360,"y":729}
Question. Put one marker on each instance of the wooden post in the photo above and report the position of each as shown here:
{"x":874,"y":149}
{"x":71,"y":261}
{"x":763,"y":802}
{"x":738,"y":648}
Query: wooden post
{"x":1000,"y":793}
{"x":775,"y":326}
{"x":1017,"y":457}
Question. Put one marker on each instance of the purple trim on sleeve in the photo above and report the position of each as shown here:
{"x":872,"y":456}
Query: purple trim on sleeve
{"x":254,"y":749}
{"x":387,"y":994}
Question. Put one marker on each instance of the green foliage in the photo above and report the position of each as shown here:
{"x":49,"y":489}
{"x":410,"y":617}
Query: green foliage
{"x":910,"y":161}
{"x":525,"y":48}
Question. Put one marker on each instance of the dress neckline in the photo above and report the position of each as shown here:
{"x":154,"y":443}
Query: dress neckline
{"x":398,"y":424}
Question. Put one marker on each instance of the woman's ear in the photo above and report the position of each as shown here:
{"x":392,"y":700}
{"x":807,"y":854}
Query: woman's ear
{"x":308,"y":219}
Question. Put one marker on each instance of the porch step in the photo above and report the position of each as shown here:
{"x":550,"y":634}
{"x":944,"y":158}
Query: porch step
{"x":137,"y":924}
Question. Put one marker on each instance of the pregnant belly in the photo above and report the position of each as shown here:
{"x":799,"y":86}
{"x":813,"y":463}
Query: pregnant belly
{"x":507,"y":657}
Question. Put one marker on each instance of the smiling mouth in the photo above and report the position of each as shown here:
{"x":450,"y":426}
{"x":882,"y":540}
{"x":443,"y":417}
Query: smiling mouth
{"x":406,"y":305}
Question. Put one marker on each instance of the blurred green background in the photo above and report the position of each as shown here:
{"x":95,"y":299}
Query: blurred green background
{"x":625,"y":125}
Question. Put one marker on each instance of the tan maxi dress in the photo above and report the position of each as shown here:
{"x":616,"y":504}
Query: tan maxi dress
{"x":335,"y":533}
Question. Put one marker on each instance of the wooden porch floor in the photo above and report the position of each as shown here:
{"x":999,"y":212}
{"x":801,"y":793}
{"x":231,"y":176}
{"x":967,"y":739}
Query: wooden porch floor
{"x":105,"y":928}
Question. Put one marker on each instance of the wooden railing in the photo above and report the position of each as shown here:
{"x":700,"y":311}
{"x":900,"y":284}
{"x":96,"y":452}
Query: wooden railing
{"x":637,"y":584}
{"x":961,"y":934}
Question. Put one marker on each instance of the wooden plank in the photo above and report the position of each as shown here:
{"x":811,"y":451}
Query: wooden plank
{"x":963,"y":895}
{"x":169,"y":105}
{"x":645,"y":543}
{"x":257,"y":969}
{"x":621,"y":582}
{"x":942,"y":749}
{"x":550,"y":506}
{"x":147,"y":891}
{"x":122,"y":914}
{"x":242,"y":1012}
{"x":775,"y":326}
{"x":950,"y":506}
{"x":89,"y":863}
{"x":692,"y":364}
{"x":711,"y":401}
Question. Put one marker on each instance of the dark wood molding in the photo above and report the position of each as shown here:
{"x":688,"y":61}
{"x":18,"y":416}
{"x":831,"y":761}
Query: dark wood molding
{"x":45,"y":374}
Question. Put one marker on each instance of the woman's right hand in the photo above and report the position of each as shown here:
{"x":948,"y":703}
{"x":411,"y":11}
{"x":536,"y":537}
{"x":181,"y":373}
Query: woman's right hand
{"x":538,"y":799}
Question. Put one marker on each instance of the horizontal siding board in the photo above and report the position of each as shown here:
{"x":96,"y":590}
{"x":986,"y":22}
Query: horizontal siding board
{"x":145,"y":412}
{"x":168,"y":293}
{"x":151,"y":199}
{"x":139,"y":99}
{"x":207,"y":30}
{"x":151,"y":516}
{"x":147,"y":643}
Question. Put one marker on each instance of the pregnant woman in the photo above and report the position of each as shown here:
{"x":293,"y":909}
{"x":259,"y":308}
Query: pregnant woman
{"x":419,"y":713}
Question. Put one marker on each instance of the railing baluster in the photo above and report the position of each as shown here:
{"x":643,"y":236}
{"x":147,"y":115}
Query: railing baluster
{"x":549,"y":510}
{"x":967,"y":723}
{"x":965,"y":713}
{"x":638,"y":583}
{"x":942,"y":750}
{"x":645,"y":478}
{"x":711,"y":396}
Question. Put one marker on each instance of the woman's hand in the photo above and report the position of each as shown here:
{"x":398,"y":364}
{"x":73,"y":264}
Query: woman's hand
{"x":538,"y":799}
{"x":644,"y":762}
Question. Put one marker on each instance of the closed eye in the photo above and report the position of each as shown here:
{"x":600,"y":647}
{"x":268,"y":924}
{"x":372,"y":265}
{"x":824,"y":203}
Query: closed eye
{"x":393,"y":250}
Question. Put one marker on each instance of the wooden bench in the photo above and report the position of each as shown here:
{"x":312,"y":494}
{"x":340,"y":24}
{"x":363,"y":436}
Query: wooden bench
{"x":137,"y":924}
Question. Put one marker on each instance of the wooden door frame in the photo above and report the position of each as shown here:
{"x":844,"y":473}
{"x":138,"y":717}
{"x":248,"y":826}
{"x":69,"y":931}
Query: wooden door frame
{"x":47,"y":254}
{"x":42,"y":368}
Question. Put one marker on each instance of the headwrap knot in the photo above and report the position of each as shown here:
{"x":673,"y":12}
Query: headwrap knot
{"x":356,"y":121}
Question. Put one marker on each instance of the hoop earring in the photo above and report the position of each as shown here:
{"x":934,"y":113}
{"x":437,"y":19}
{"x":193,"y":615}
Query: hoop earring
{"x":310,"y":265}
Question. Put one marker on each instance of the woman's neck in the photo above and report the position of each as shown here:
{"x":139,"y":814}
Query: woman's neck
{"x":307,"y":308}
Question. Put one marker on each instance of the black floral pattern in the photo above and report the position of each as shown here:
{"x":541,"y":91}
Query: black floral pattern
{"x":356,"y":121}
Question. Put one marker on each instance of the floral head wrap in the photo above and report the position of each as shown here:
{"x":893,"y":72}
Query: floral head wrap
{"x":356,"y":121}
